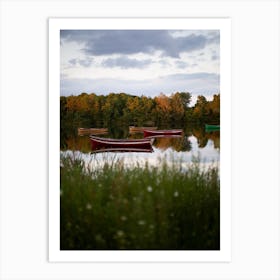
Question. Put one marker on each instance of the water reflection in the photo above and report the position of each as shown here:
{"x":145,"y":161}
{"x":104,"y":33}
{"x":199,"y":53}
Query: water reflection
{"x":208,"y":155}
{"x":193,"y":143}
{"x":203,"y":136}
{"x":122,"y":150}
{"x":176,"y":143}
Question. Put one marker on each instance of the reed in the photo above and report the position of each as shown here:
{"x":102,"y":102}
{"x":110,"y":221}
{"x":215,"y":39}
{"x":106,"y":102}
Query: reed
{"x":116,"y":207}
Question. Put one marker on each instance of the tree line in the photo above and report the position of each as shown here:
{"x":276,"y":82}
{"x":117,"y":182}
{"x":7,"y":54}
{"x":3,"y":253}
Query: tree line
{"x":91,"y":110}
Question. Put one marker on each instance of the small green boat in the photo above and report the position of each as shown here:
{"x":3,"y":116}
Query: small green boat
{"x":212,"y":127}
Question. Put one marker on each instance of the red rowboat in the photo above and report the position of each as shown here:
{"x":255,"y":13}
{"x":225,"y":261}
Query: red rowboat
{"x":148,"y":133}
{"x":101,"y":143}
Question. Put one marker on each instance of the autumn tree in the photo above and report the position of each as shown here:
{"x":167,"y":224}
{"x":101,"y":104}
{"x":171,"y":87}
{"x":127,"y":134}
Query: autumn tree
{"x":90,"y":110}
{"x":163,"y":107}
{"x":214,"y":109}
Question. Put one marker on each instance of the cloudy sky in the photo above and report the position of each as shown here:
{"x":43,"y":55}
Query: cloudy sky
{"x":140,"y":62}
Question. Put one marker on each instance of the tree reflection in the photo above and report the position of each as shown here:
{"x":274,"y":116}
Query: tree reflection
{"x":178,"y":144}
{"x":77,"y":143}
{"x":71,"y":141}
{"x":203,"y":137}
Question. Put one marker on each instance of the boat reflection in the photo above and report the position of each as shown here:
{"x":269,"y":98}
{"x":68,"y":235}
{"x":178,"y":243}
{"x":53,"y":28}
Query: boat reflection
{"x":122,"y":150}
{"x":166,"y":132}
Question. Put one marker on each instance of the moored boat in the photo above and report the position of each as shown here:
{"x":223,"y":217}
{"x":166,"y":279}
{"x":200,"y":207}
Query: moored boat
{"x":101,"y":143}
{"x":148,"y":133}
{"x":212,"y":127}
{"x":135,"y":129}
{"x":96,"y":131}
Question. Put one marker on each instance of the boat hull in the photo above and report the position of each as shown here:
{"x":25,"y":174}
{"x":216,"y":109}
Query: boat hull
{"x":136,"y":129}
{"x":148,"y":133}
{"x":104,"y":143}
{"x":95,"y":131}
{"x":212,"y":127}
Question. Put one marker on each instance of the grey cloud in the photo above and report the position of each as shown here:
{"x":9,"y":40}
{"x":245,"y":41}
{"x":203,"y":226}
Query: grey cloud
{"x":164,"y":63}
{"x":181,"y":64}
{"x":73,"y":61}
{"x":215,"y":57}
{"x":214,"y":38}
{"x":107,"y":42}
{"x":82,"y":62}
{"x":125,"y":62}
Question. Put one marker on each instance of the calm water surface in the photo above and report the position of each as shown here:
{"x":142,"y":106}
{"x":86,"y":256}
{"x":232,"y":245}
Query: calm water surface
{"x":194,"y":143}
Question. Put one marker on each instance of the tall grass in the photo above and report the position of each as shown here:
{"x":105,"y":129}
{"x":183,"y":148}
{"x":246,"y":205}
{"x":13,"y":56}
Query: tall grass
{"x":115,"y":207}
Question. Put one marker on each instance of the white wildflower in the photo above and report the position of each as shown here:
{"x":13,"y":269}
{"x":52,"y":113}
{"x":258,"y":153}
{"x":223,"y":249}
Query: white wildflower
{"x":120,"y":233}
{"x":141,"y":223}
{"x":88,"y":206}
{"x":149,"y":189}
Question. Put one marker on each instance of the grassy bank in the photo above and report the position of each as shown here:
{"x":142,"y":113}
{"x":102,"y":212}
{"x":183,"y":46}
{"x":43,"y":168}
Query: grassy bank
{"x":115,"y":207}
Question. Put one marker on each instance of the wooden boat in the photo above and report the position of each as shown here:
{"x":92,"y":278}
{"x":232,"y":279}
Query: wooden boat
{"x":135,"y":129}
{"x":101,"y":143}
{"x":123,"y":150}
{"x":148,"y":133}
{"x":96,"y":131}
{"x":212,"y":127}
{"x":164,"y":136}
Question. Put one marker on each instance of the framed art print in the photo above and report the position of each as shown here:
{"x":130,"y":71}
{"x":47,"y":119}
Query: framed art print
{"x":139,"y":140}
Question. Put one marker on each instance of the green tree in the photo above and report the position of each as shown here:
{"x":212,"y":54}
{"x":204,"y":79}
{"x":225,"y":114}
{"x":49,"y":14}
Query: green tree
{"x":200,"y":112}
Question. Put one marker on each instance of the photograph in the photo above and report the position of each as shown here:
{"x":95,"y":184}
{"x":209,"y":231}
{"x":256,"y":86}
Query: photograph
{"x":148,"y":161}
{"x":139,"y":139}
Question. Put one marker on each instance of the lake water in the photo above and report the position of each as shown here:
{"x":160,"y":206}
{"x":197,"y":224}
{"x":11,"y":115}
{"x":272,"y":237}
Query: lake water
{"x":195,"y":142}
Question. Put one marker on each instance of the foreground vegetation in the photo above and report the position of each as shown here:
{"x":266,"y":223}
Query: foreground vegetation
{"x":112,"y":206}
